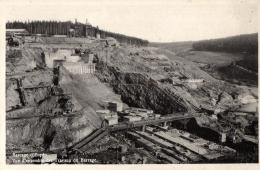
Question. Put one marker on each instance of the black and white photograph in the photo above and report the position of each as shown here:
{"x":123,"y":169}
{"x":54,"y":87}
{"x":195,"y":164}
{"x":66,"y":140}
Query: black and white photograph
{"x":130,"y":82}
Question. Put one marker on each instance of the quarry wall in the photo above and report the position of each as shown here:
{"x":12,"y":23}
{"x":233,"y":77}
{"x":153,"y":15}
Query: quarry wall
{"x":140,"y":91}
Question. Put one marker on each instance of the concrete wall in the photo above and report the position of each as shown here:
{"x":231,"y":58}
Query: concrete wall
{"x":73,"y":58}
{"x":90,"y":58}
{"x":61,"y":54}
{"x":71,"y":63}
{"x":79,"y":68}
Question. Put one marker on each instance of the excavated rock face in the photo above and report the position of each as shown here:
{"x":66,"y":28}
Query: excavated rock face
{"x":32,"y":96}
{"x":45,"y":133}
{"x":133,"y":73}
{"x":22,"y":60}
{"x":30,"y":131}
{"x":36,"y":78}
{"x":141,"y":91}
{"x":12,"y":95}
{"x":31,"y":122}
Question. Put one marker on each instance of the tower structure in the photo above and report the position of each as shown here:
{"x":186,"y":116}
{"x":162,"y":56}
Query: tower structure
{"x":87,"y":29}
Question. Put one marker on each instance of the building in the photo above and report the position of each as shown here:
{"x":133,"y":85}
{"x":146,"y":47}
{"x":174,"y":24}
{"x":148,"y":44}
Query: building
{"x":138,"y":110}
{"x":115,"y":106}
{"x":98,"y":35}
{"x":19,"y":32}
{"x":111,"y":118}
{"x":132,"y":118}
{"x":106,"y":114}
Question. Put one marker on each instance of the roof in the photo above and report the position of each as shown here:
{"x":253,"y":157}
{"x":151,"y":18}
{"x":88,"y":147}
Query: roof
{"x":56,"y":35}
{"x":16,"y":30}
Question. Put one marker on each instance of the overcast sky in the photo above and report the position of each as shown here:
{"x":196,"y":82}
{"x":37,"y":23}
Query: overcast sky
{"x":158,"y":21}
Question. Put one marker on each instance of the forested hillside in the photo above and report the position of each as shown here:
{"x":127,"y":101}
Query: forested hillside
{"x":49,"y":28}
{"x":247,"y":43}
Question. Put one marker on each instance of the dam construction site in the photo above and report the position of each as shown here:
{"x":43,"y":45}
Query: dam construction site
{"x":81,"y":95}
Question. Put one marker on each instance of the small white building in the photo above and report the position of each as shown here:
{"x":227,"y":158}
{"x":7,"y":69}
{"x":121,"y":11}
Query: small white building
{"x":98,"y":35}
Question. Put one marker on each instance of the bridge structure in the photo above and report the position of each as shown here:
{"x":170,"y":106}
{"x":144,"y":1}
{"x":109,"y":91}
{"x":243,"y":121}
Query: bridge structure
{"x":83,"y":145}
{"x":162,"y":120}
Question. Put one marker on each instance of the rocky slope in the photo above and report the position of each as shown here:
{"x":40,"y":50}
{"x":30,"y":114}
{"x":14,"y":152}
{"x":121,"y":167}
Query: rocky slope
{"x":141,"y":91}
{"x":35,"y":120}
{"x":147,"y":77}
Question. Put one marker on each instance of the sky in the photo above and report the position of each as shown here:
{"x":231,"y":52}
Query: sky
{"x":153,"y":20}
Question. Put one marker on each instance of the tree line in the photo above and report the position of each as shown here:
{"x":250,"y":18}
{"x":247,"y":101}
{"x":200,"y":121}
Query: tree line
{"x":50,"y":28}
{"x":247,"y":43}
{"x":42,"y":27}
